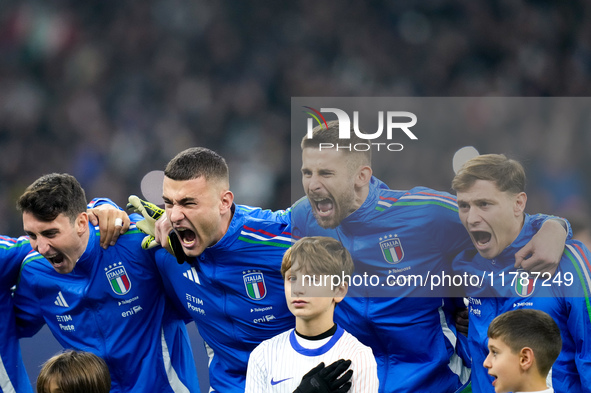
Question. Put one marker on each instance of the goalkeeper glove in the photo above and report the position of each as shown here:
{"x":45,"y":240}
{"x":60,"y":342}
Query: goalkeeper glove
{"x":326,"y":379}
{"x":151,"y":214}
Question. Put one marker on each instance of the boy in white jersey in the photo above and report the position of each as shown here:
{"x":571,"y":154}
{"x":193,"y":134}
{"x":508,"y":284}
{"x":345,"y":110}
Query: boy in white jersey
{"x":523,"y":344}
{"x":294,"y":360}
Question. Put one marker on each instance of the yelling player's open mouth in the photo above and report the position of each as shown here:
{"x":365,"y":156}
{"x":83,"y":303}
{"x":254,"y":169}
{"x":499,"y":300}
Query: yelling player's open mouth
{"x":55,"y":260}
{"x":187,"y":236}
{"x":324,"y":206}
{"x":481,"y":238}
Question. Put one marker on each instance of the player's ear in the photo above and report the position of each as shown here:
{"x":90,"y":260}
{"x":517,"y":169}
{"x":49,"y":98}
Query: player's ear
{"x":81,"y":223}
{"x":363,"y":176}
{"x":520,"y":201}
{"x":526,"y":358}
{"x":227,"y":198}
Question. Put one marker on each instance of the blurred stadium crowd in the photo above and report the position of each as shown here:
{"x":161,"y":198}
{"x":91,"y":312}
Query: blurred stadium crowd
{"x":108,"y":91}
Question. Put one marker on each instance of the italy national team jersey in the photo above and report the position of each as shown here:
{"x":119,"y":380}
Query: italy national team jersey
{"x":111,"y":304}
{"x":234,"y":291}
{"x":277,"y":365}
{"x":13,"y":377}
{"x":409,"y":328}
{"x":564,"y":296}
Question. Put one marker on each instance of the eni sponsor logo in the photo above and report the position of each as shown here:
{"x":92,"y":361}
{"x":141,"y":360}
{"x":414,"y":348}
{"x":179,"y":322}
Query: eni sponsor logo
{"x":132,"y":311}
{"x":264,"y":319}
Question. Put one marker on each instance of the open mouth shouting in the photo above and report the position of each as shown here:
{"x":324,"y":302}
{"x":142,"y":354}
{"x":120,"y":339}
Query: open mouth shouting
{"x":485,"y":243}
{"x":481,"y":238}
{"x":56,"y":259}
{"x":325,"y":212}
{"x":59,"y":262}
{"x":324,"y":207}
{"x":187,"y":237}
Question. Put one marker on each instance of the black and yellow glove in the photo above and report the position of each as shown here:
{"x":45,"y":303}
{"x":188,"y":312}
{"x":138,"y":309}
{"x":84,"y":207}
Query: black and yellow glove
{"x":151,"y":214}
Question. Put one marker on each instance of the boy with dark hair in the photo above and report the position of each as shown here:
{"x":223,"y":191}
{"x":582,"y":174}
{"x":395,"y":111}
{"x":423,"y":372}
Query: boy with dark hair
{"x":389,"y":231}
{"x":491,"y":199}
{"x":523,"y":344}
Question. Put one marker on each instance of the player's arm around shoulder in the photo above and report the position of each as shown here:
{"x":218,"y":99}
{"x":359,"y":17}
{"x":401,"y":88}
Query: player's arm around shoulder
{"x":573,"y":277}
{"x":12,"y":253}
{"x":128,"y":250}
{"x":301,"y":218}
{"x":437,"y":214}
{"x":27,"y":302}
{"x":129,"y":246}
{"x":573,"y":281}
{"x":263,"y":236}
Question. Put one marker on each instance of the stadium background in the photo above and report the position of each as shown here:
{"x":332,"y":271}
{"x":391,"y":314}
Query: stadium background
{"x":109,"y":91}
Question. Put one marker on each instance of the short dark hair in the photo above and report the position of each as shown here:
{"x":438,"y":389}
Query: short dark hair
{"x":51,"y":195}
{"x":507,"y":174}
{"x":74,"y":372}
{"x":529,"y":328}
{"x":197,"y":162}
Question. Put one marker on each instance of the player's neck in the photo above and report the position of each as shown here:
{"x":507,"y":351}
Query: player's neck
{"x":535,"y":383}
{"x":226,"y":220}
{"x":361,"y":195}
{"x":313,"y":327}
{"x":328,"y":333}
{"x":84,"y":239}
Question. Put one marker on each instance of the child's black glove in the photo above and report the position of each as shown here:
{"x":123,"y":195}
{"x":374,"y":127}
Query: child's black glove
{"x":326,"y":379}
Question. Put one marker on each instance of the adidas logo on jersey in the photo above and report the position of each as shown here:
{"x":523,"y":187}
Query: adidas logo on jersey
{"x":191,"y":274}
{"x":60,"y":301}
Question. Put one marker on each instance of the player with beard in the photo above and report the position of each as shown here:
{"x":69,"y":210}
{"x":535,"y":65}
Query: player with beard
{"x":244,"y":248}
{"x":229,"y":273}
{"x":411,"y":331}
